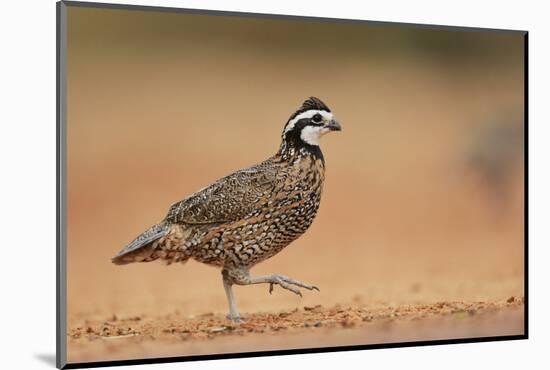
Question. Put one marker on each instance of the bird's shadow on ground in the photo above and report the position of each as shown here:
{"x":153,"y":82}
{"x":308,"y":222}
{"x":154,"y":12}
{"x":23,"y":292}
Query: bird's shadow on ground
{"x":47,"y":358}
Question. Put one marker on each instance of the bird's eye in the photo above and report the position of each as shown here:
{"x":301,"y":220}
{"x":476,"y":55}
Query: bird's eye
{"x":317,"y":118}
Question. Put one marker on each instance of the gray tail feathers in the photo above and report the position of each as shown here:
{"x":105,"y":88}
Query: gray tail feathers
{"x":140,"y":249}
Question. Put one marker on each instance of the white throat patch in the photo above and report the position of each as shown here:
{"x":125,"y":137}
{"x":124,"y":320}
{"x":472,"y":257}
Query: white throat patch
{"x":312,"y":134}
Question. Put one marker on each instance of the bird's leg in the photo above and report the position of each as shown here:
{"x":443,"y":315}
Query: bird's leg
{"x":242,"y":277}
{"x":284,"y":282}
{"x":227,"y":284}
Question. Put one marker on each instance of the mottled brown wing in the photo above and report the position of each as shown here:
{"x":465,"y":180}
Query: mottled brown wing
{"x":228,"y":199}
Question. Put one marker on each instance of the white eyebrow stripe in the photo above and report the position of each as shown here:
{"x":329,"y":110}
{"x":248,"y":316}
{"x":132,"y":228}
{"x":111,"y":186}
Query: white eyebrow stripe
{"x":307,"y":114}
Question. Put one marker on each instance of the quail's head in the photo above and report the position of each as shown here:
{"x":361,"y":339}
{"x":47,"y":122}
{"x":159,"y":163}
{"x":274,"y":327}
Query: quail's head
{"x":313,"y":120}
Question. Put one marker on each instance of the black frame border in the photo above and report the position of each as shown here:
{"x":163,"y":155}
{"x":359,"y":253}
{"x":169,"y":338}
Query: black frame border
{"x":61,"y":145}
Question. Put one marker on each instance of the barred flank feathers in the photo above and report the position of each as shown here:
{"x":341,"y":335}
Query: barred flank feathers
{"x":141,"y":247}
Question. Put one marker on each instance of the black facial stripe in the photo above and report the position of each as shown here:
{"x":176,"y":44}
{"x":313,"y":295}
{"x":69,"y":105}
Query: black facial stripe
{"x":294,"y":134}
{"x":301,"y":124}
{"x":298,"y":126}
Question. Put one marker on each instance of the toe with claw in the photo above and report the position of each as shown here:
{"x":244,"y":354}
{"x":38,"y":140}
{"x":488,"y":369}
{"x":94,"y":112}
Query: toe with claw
{"x":287,"y":283}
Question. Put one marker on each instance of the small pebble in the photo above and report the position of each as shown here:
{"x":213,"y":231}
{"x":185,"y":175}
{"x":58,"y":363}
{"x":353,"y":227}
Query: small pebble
{"x":218,"y":329}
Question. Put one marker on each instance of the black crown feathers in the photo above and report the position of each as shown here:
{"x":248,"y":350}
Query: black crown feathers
{"x":311,"y":103}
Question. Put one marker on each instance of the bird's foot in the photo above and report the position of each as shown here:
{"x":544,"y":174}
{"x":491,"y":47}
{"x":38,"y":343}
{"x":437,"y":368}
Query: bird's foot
{"x":234,"y":318}
{"x":288,"y":284}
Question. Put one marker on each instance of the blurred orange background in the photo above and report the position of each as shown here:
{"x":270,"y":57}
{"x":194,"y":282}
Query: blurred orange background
{"x":423,"y":198}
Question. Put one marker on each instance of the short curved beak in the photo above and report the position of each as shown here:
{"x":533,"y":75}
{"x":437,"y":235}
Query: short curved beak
{"x":334,"y":125}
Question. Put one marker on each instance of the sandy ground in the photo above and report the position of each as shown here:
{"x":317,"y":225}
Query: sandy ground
{"x":404,"y":224}
{"x":118,"y":338}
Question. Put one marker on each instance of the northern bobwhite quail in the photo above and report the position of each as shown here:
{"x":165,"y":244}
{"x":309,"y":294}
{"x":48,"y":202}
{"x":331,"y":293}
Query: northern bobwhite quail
{"x":250,"y":215}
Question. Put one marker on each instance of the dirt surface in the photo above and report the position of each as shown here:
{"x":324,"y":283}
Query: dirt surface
{"x":413,"y":212}
{"x":175,"y":334}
